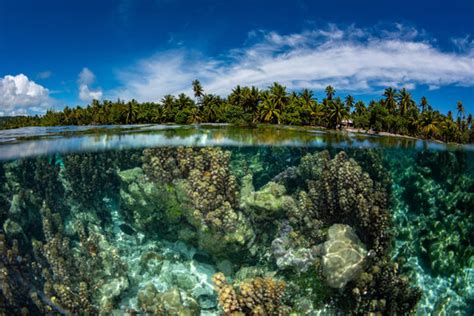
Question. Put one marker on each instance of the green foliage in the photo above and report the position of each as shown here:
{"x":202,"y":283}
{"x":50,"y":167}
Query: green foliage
{"x":396,"y":112}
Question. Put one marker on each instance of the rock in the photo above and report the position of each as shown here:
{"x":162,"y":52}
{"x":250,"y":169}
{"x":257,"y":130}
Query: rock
{"x":343,"y":256}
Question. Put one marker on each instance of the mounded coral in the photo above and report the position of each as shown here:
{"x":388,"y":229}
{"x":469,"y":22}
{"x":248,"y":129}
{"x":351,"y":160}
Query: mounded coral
{"x":147,"y":204}
{"x":270,"y":202}
{"x":343,"y":256}
{"x":170,"y":302}
{"x":259,"y":296}
{"x":73,"y":274}
{"x":382,"y":290}
{"x":212,"y":190}
{"x":338,"y":191}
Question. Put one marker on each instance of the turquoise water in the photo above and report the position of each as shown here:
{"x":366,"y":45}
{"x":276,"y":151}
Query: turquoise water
{"x":211,"y":220}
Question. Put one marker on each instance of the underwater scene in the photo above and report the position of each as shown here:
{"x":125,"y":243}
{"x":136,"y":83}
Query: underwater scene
{"x":155,"y":220}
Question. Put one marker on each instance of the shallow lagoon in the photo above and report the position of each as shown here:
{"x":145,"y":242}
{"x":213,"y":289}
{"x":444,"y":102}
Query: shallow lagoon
{"x":189,"y":220}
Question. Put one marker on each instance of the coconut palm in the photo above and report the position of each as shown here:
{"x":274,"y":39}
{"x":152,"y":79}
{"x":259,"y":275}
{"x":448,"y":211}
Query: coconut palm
{"x":330,"y":92}
{"x":269,"y":112}
{"x":198,"y":90}
{"x":337,"y":112}
{"x":278,"y":96}
{"x":429,"y":122}
{"x":211,"y":108}
{"x":390,"y":99}
{"x":360,"y":108}
{"x":130,"y":111}
{"x":423,"y":104}
{"x":405,"y":102}
{"x":168,"y":103}
{"x":349,"y":101}
{"x":460,"y":108}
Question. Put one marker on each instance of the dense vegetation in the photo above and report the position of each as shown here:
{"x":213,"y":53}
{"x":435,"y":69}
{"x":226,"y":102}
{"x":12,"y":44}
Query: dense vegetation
{"x":396,"y":112}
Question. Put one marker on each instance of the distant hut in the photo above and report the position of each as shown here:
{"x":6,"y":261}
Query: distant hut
{"x":347,"y":123}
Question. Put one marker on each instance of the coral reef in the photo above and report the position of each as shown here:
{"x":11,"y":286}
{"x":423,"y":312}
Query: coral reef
{"x":270,"y":202}
{"x":288,"y":254}
{"x":102,"y":234}
{"x":338,"y":191}
{"x":259,"y":296}
{"x":73,"y":275}
{"x":382,"y":290}
{"x":213,"y":191}
{"x":343,"y":256}
{"x":147,"y":204}
{"x":170,"y":302}
{"x":439,"y":222}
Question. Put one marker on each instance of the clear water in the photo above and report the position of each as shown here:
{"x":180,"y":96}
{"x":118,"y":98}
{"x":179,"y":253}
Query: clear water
{"x":205,"y":220}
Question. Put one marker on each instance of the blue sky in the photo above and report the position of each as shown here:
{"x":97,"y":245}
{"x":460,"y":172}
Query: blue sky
{"x":56,"y":53}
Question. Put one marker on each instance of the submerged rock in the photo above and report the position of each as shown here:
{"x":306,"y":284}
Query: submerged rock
{"x":343,"y":256}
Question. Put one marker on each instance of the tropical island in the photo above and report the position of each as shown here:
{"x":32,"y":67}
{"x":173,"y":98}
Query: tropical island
{"x":395,"y":112}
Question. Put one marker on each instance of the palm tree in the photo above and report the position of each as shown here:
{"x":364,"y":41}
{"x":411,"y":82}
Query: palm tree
{"x":278,"y":96}
{"x":330,"y":92}
{"x":390,"y":102}
{"x":360,"y":108}
{"x":429,"y":122}
{"x":337,"y":112}
{"x":236,"y":96}
{"x":405,"y":102}
{"x":131,"y":111}
{"x":460,"y":108}
{"x":251,"y":99}
{"x":183,"y":102}
{"x":423,"y":104}
{"x":269,"y":112}
{"x":307,"y":97}
{"x":168,"y":103}
{"x":316,"y":113}
{"x":349,"y":101}
{"x":194,"y":115}
{"x":198,"y":90}
{"x":211,"y":107}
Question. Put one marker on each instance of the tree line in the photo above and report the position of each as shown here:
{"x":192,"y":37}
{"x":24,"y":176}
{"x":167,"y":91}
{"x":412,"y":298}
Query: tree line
{"x":395,"y":112}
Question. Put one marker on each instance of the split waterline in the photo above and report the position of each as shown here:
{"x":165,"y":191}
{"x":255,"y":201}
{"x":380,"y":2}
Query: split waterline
{"x":206,"y":219}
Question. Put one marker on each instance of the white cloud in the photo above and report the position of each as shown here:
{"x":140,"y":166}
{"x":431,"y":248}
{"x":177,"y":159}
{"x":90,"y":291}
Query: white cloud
{"x":351,"y":59}
{"x":19,"y":95}
{"x":85,"y":80}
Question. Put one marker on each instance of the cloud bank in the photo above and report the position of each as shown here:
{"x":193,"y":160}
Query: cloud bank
{"x":19,"y":95}
{"x":85,"y":80}
{"x":351,"y":59}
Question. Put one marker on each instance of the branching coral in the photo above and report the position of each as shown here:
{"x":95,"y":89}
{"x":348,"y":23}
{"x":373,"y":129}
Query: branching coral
{"x":259,"y":296}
